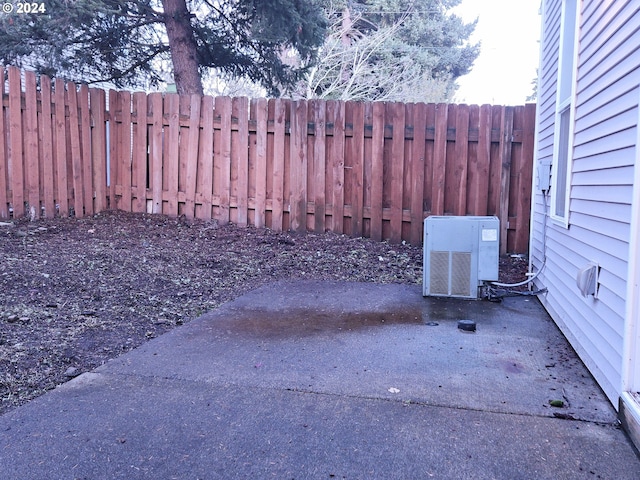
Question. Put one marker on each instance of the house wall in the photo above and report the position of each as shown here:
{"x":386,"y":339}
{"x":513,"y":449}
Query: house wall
{"x":601,"y":194}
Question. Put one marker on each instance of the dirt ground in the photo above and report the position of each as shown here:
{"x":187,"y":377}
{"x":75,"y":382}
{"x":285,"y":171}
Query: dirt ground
{"x":75,"y":293}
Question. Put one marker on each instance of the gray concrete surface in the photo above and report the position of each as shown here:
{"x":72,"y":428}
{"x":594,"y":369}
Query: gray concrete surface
{"x":331,"y":380}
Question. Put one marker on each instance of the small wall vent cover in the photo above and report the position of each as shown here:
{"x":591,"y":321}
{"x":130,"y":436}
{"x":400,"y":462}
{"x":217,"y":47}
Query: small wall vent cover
{"x":460,"y":253}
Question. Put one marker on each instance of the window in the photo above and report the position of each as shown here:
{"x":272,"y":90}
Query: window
{"x":563,"y":141}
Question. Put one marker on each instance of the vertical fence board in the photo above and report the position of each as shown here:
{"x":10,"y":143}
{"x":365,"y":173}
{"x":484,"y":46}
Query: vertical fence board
{"x":184,"y":110}
{"x":123,"y":152}
{"x":319,"y":164}
{"x":335,"y":115}
{"x":241,"y":112}
{"x":114,"y":133}
{"x":222,"y":161}
{"x":473,"y":185}
{"x":506,"y":137}
{"x":298,"y":166}
{"x":86,"y":148}
{"x":397,"y":170}
{"x":4,"y":187}
{"x":357,"y":169}
{"x":484,"y":161}
{"x":205,"y":159}
{"x":76,"y":157}
{"x":192,"y":156}
{"x":430,"y":112}
{"x":417,"y":171}
{"x":140,"y":152}
{"x":155,"y":151}
{"x":15,"y":132}
{"x":46,"y":146}
{"x":461,"y":156}
{"x":277,"y":203}
{"x":171,"y":159}
{"x":377,"y":165}
{"x":99,"y":144}
{"x":439,"y":160}
{"x":32,"y":168}
{"x":523,"y":206}
{"x":61,"y":150}
{"x":259,"y":115}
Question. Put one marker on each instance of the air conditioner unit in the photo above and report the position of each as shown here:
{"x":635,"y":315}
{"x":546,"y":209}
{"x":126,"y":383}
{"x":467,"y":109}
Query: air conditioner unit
{"x":460,"y":254}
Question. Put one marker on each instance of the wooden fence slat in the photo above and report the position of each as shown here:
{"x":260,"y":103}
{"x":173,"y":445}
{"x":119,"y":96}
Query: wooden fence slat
{"x":397,"y":170}
{"x":4,"y":187}
{"x":241,"y":112}
{"x":45,"y":128}
{"x":524,"y":198}
{"x":155,"y":151}
{"x":461,"y":157}
{"x":481,"y":203}
{"x":15,"y":132}
{"x":336,"y":114}
{"x":76,"y":158}
{"x":140,"y":152}
{"x":87,"y":148}
{"x":32,"y":169}
{"x":495,"y":166}
{"x":357,"y":169}
{"x":205,"y":156}
{"x":61,"y":150}
{"x":472,"y":163}
{"x":298,"y":166}
{"x":192,"y":155}
{"x":259,"y":114}
{"x":99,"y":148}
{"x":222,"y":159}
{"x":417,"y":172}
{"x":184,"y":109}
{"x":171,"y":161}
{"x":114,"y":134}
{"x":319,"y":163}
{"x":277,"y":203}
{"x":506,"y":137}
{"x":122,"y":158}
{"x":377,"y":175}
{"x":439,"y":159}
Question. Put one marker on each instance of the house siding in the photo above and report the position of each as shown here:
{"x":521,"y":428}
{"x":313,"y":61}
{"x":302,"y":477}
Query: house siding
{"x":603,"y":162}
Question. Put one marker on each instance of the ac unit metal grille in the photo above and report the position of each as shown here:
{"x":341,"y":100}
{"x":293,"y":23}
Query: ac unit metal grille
{"x":461,"y":274}
{"x":439,"y":273}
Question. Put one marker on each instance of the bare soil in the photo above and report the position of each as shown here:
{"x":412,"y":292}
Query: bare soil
{"x":75,"y":293}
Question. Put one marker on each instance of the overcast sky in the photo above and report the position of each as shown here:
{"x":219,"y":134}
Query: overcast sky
{"x":509,"y":31}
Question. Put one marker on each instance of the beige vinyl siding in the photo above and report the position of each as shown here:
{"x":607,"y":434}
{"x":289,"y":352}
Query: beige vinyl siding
{"x":601,"y":193}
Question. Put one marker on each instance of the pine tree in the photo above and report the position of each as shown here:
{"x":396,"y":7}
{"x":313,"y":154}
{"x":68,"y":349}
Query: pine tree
{"x":127,"y":42}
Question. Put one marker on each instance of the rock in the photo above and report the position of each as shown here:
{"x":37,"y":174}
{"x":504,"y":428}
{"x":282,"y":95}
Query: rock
{"x":12,"y":318}
{"x":71,"y":372}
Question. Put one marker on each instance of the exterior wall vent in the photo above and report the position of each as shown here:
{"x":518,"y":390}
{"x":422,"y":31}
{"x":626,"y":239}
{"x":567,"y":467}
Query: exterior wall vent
{"x":460,"y":254}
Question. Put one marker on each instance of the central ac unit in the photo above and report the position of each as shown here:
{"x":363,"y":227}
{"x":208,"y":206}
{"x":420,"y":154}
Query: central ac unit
{"x":460,"y":254}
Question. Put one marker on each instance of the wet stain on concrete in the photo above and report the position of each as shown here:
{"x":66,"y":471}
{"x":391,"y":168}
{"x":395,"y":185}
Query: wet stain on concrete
{"x":305,"y":323}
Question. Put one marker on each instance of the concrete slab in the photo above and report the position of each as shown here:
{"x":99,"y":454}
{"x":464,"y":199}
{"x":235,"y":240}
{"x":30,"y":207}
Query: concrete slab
{"x":331,"y":380}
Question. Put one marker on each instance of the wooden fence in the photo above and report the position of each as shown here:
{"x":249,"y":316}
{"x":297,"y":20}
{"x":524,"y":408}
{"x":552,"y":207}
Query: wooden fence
{"x":364,"y":169}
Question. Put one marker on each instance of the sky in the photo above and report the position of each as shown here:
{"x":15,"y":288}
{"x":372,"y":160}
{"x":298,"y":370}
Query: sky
{"x":509,"y":31}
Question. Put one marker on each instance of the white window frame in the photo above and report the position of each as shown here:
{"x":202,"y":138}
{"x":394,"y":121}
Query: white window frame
{"x":565,"y":103}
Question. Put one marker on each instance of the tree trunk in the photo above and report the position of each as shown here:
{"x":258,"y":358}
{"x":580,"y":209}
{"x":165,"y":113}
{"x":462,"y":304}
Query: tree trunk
{"x":182,"y":45}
